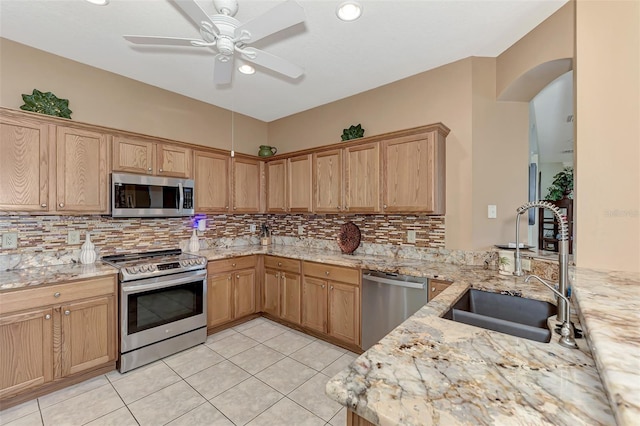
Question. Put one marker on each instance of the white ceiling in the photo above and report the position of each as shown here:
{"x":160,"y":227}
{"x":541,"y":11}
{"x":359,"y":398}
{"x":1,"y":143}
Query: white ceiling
{"x":393,"y":39}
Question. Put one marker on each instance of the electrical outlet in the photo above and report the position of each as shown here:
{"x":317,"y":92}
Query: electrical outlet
{"x":300,"y":229}
{"x":411,"y":236}
{"x":252,"y":228}
{"x":73,"y":237}
{"x":10,"y":240}
{"x":492,"y":211}
{"x":526,"y":264}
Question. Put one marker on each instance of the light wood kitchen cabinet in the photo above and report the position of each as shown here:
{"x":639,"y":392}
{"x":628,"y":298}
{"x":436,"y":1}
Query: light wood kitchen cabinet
{"x":82,"y":164}
{"x":231,"y":291}
{"x":299,"y":184}
{"x":211,"y":176}
{"x":436,"y":287}
{"x":282,"y":288}
{"x":138,"y":155}
{"x":246,"y":185}
{"x":52,"y":333}
{"x":414,"y":173}
{"x":52,"y":168}
{"x":327,"y":182}
{"x":277,"y":186}
{"x":331,"y":301}
{"x":362,"y":178}
{"x":25,"y":163}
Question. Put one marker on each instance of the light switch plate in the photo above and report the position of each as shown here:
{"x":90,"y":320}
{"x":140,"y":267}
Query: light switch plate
{"x":73,"y":237}
{"x":411,"y":236}
{"x":10,"y":240}
{"x":492,"y":211}
{"x":252,"y":228}
{"x":526,"y":264}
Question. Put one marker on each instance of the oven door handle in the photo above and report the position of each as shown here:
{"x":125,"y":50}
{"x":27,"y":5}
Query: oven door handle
{"x":163,"y":282}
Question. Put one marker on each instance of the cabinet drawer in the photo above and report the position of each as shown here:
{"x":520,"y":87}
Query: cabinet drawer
{"x":282,"y":264}
{"x":30,"y":298}
{"x":232,"y":264}
{"x":331,"y":272}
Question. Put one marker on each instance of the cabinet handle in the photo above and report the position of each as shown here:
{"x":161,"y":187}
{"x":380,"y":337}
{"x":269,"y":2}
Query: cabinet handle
{"x":48,"y":316}
{"x":322,"y":285}
{"x":67,"y":312}
{"x":160,"y":170}
{"x":326,"y":273}
{"x":43,"y":205}
{"x":56,"y":294}
{"x":229,"y":279}
{"x":234,"y":207}
{"x":384,"y":206}
{"x":433,"y":289}
{"x":61,"y":205}
{"x":279,"y":263}
{"x":149,"y":169}
{"x":338,"y":207}
{"x":233,"y":264}
{"x":226,"y":207}
{"x":238,"y":276}
{"x":283,"y":276}
{"x":330,"y":287}
{"x":277,"y":275}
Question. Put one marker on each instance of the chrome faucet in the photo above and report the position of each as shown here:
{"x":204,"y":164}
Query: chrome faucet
{"x":563,"y":253}
{"x":566,"y":331}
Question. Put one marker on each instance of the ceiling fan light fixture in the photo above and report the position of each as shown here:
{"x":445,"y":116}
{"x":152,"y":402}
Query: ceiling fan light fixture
{"x":99,"y":2}
{"x":246,"y":69}
{"x":349,"y":11}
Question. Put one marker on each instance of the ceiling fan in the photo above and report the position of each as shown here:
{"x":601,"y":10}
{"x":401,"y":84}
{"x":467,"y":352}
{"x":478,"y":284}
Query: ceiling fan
{"x":228,"y":36}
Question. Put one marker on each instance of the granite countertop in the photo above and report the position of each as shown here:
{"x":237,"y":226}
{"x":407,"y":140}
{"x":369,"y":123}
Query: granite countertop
{"x":434,"y":371}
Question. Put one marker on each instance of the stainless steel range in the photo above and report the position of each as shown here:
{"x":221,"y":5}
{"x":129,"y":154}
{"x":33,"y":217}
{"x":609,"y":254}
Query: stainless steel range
{"x":163,"y":304}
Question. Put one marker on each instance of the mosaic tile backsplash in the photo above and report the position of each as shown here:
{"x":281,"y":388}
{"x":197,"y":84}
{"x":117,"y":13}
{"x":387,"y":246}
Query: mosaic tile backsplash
{"x":42,"y":240}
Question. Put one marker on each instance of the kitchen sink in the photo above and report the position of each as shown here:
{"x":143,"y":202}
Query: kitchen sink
{"x":517,"y":316}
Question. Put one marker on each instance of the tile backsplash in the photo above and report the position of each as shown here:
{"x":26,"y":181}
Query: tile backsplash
{"x":42,"y":240}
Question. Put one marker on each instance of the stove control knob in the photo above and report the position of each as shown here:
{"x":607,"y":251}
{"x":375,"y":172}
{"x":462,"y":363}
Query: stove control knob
{"x":132,"y":270}
{"x":183,"y":263}
{"x":145,"y":268}
{"x":152,"y":268}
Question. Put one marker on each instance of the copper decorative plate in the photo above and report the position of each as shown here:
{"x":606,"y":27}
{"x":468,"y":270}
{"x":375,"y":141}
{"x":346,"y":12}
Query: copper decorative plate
{"x":349,"y":238}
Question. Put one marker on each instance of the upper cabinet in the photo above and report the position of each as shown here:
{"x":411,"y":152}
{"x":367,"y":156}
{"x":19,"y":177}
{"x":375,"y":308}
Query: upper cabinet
{"x":52,"y":167}
{"x":327,"y":182}
{"x":414,"y":173}
{"x":362,"y":178}
{"x":299,"y":184}
{"x":246,"y":173}
{"x":277,"y":186}
{"x":211,"y":176}
{"x":138,"y":155}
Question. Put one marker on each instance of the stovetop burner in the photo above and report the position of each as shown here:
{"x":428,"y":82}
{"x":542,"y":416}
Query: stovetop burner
{"x":135,"y":266}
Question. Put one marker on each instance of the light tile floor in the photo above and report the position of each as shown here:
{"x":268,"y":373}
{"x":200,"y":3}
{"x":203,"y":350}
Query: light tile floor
{"x":257,"y":373}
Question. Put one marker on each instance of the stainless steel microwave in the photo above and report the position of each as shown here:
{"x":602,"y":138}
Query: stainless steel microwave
{"x":150,"y":196}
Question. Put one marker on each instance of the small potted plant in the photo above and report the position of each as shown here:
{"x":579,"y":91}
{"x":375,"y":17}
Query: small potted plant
{"x":562,"y":185}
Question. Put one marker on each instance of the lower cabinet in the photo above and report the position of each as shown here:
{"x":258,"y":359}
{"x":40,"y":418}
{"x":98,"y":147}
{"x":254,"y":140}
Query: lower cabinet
{"x":281,"y":288}
{"x":436,"y":287}
{"x":231,"y":289}
{"x":331,"y":301}
{"x":50,"y":333}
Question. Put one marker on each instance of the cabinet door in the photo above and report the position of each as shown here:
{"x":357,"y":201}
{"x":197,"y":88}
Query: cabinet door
{"x":413,"y":168}
{"x":82,"y":178}
{"x":173,"y":161}
{"x":246,"y":185}
{"x":314,"y":304}
{"x":344,"y":312}
{"x":244,"y":293}
{"x":290,"y":297}
{"x":211,"y":182}
{"x":271,"y":296}
{"x":219,"y":299}
{"x":26,"y":340}
{"x":25,"y":164}
{"x":133,"y":155}
{"x":277,"y":186}
{"x":300,"y":184}
{"x":327,"y":187}
{"x":88,"y":334}
{"x":362,"y":178}
{"x":436,"y":287}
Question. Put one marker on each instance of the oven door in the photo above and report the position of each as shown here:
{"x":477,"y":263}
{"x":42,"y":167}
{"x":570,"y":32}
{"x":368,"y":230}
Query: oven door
{"x":155,"y":309}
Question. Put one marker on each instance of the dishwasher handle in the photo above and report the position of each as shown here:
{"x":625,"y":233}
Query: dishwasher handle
{"x":398,"y":283}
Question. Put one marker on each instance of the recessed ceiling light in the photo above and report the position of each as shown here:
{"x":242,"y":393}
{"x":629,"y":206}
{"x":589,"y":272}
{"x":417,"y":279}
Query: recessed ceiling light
{"x":349,"y":10}
{"x":99,"y":2}
{"x":246,"y":69}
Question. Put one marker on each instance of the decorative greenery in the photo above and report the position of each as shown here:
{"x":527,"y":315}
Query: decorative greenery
{"x":353,"y":132}
{"x":562,"y":185}
{"x":46,"y":103}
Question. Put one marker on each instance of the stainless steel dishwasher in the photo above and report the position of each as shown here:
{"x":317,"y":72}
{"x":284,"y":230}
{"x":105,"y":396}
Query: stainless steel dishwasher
{"x":387,"y":300}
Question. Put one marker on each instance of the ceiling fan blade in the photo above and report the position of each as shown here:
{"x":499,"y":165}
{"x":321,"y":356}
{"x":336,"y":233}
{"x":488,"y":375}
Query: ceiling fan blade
{"x":280,"y":17}
{"x":273,"y":62}
{"x":161,"y":41}
{"x":195,"y":13}
{"x":222,"y":70}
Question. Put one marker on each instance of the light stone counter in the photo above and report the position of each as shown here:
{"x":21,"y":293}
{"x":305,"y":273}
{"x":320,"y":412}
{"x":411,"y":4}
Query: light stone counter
{"x":433,"y":371}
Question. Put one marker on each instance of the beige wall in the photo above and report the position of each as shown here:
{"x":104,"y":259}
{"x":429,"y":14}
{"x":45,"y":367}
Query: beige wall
{"x":608,"y":134}
{"x":103,"y":98}
{"x":538,"y":58}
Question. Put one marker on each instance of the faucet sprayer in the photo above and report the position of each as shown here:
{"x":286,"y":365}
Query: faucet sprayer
{"x":563,"y":252}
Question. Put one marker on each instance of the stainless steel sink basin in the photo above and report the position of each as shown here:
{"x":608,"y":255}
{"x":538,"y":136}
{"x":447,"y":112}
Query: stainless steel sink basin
{"x":517,"y":316}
